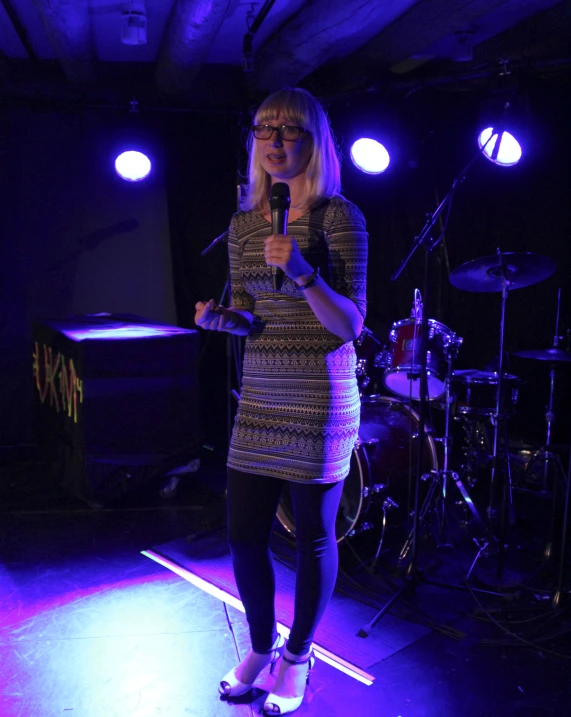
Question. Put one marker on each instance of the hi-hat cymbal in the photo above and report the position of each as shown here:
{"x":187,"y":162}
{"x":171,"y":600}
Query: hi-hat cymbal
{"x":553,"y":354}
{"x":487,"y":273}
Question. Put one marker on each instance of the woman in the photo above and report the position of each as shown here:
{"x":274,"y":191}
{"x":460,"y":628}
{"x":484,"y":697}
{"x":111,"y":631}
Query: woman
{"x":299,"y":408}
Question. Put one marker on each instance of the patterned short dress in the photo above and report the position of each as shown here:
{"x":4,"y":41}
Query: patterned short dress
{"x":299,"y":410}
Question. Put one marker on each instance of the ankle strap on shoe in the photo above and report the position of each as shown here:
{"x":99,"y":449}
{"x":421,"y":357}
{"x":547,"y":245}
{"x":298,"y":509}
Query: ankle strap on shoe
{"x":300,"y":661}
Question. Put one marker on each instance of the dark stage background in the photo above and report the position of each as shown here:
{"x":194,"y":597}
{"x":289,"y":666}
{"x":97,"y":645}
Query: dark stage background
{"x":57,"y":258}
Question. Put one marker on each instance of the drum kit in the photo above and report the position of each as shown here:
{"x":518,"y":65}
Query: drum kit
{"x":481,"y":401}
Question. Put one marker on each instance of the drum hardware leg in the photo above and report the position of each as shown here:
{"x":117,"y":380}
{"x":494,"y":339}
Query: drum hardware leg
{"x":549,"y":458}
{"x":559,"y":480}
{"x":388,"y":504}
{"x":557,"y":597}
{"x":468,"y":500}
{"x":551,"y":481}
{"x":549,"y":419}
{"x":501,"y":462}
{"x":445,"y":474}
{"x":439,"y":480}
{"x":435,"y":475}
{"x":481,"y":548}
{"x":499,"y":423}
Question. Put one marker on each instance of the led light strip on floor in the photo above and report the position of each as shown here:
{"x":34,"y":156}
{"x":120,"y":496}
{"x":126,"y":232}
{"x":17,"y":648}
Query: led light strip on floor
{"x":322,"y":653}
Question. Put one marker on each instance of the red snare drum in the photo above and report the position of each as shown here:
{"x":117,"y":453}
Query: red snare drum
{"x":403,"y":376}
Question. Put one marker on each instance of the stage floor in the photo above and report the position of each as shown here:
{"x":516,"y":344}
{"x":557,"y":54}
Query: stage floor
{"x":89,"y":626}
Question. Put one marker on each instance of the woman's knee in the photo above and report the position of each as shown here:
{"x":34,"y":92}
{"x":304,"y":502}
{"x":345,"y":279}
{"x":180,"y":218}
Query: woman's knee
{"x":315,"y":509}
{"x":242,"y":543}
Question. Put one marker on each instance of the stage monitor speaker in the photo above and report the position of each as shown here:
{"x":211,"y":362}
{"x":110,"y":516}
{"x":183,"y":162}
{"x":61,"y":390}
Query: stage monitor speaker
{"x":117,"y":401}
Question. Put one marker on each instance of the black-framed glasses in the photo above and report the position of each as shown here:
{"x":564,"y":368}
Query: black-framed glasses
{"x":287,"y":132}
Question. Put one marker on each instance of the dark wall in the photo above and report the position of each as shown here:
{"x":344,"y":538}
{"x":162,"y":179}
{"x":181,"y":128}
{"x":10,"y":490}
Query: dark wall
{"x":205,"y":158}
{"x":75,"y":239}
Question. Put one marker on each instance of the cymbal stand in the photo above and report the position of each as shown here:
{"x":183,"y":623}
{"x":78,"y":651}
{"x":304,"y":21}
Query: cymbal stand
{"x":499,"y":422}
{"x":556,"y":599}
{"x":547,"y":456}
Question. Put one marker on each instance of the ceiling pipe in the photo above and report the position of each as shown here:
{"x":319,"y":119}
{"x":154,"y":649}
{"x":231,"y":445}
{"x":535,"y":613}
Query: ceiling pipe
{"x":247,"y":43}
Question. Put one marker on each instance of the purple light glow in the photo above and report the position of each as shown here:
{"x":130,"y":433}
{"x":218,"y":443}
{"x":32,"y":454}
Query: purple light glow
{"x":121,"y":331}
{"x":133,"y":166}
{"x":319,"y":651}
{"x":369,"y":156}
{"x":509,"y":151}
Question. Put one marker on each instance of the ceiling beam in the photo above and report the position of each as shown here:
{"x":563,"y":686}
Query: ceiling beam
{"x":423,"y":24}
{"x":68,"y":25}
{"x":538,"y":36}
{"x":319,"y":33}
{"x":191,"y":29}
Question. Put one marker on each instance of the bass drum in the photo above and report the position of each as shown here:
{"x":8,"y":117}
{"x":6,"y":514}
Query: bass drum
{"x":383,"y":468}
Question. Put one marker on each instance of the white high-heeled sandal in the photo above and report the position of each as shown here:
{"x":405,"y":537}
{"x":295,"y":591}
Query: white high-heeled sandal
{"x":277,"y":705}
{"x":230,"y":685}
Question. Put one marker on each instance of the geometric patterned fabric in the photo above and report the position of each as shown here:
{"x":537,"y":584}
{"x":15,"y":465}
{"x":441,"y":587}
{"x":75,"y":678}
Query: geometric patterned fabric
{"x":299,"y":409}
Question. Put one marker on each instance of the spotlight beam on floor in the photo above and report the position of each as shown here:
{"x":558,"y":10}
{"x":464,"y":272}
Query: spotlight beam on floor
{"x":322,"y":653}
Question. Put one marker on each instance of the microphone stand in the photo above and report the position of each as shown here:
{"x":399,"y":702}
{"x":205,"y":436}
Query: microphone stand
{"x":425,"y":240}
{"x":220,"y":238}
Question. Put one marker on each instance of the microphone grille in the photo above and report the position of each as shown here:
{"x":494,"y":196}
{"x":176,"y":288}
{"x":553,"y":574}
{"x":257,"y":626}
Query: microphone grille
{"x":280,"y":189}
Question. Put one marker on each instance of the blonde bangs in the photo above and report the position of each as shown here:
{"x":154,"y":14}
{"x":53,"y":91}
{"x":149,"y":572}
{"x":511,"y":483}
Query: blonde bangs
{"x":323,"y":177}
{"x":291,"y":103}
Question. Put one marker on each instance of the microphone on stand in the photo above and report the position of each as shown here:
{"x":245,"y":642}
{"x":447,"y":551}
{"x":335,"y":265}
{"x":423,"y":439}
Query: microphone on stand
{"x":279,"y":206}
{"x":222,"y":237}
{"x":416,"y":311}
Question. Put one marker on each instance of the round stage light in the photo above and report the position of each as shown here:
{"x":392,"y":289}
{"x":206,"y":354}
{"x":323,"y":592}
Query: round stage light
{"x":370,"y":156}
{"x":132,"y":166}
{"x":505,"y":151}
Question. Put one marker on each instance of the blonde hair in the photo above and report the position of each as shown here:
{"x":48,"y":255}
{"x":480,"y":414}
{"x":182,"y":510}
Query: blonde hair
{"x":323,"y":175}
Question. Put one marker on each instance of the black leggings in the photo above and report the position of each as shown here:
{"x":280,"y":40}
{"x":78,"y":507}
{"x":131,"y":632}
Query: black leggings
{"x":252,"y":504}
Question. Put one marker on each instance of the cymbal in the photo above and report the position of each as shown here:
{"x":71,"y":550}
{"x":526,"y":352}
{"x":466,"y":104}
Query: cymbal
{"x":553,"y":354}
{"x":487,"y":273}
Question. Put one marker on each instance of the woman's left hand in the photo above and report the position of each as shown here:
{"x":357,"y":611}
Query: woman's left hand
{"x":281,"y":250}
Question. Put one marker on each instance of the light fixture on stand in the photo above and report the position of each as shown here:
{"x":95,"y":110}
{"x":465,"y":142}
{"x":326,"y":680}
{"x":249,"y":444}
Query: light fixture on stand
{"x":497,"y":144}
{"x":503,"y":126}
{"x":373,"y":138}
{"x":369,"y":155}
{"x":132,"y":156}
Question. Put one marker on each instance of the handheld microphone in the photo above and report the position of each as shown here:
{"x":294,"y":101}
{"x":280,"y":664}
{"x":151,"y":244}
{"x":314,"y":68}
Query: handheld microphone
{"x":279,"y":206}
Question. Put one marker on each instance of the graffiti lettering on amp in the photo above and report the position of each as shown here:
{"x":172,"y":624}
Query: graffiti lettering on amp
{"x":57,"y":380}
